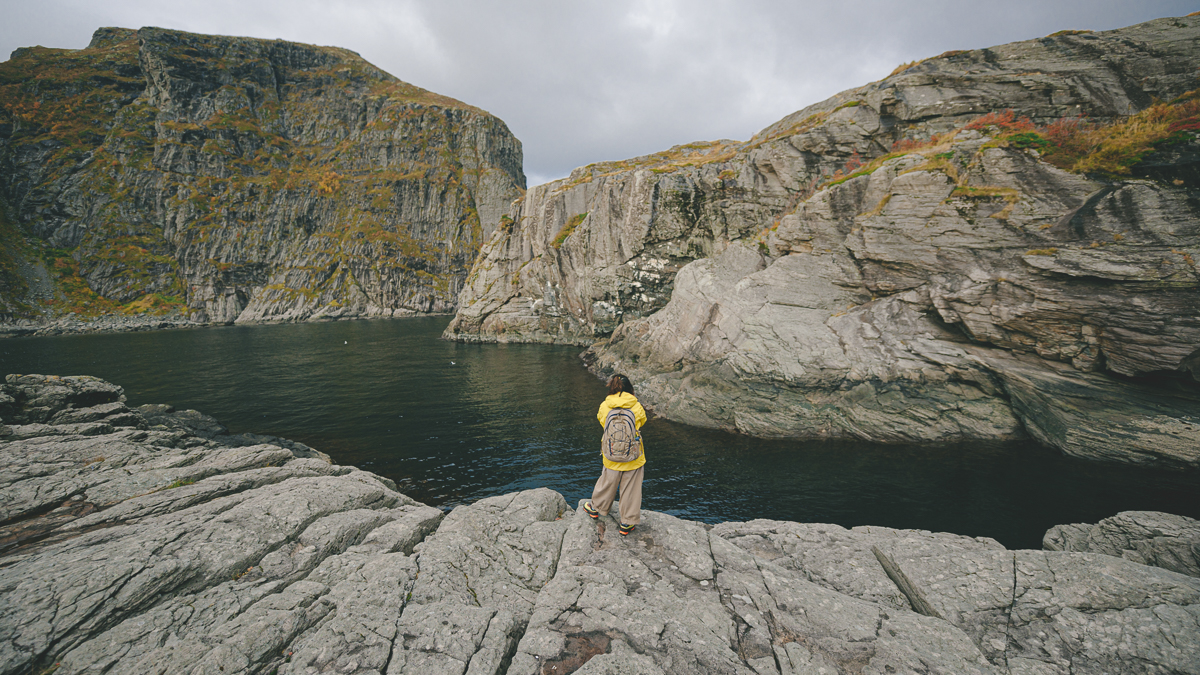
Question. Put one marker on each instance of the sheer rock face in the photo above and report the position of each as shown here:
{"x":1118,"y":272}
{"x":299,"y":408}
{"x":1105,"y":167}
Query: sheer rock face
{"x":646,"y":217}
{"x":981,"y":294}
{"x":248,"y":179}
{"x":151,"y":541}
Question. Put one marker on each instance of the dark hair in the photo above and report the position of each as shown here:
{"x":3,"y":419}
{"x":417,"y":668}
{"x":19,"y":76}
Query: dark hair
{"x":619,"y":383}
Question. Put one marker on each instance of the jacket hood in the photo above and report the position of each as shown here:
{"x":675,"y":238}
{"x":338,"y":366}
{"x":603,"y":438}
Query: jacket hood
{"x":621,"y":400}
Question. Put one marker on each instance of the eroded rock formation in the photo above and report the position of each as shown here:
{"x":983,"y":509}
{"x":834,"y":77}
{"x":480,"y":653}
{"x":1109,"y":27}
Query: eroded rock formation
{"x":239,"y":180}
{"x":810,"y":283}
{"x":149,"y":540}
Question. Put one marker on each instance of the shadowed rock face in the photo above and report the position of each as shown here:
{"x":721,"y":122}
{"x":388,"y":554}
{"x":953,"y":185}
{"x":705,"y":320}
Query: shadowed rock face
{"x":151,"y":541}
{"x":973,"y":291}
{"x":245,"y":179}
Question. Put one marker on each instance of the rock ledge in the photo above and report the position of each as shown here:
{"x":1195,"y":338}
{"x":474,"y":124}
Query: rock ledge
{"x":150,"y":540}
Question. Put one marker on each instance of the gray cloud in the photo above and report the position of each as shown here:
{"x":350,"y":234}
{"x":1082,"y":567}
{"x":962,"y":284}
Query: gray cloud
{"x":585,"y":82}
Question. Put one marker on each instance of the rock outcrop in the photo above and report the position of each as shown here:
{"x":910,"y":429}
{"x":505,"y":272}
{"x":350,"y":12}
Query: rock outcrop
{"x":810,"y":283}
{"x":1148,"y":537}
{"x":149,"y":540}
{"x":238,"y":179}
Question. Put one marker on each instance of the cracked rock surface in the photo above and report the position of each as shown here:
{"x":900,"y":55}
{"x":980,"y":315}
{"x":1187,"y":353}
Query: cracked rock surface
{"x":970,"y":290}
{"x":186,"y":550}
{"x":1161,"y":539}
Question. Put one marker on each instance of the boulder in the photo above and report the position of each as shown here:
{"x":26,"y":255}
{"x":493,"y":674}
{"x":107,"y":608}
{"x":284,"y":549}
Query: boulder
{"x":33,"y":399}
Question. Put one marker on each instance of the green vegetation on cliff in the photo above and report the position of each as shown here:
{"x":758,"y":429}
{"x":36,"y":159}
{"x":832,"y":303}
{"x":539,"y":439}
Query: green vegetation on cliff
{"x":178,"y":170}
{"x":13,"y":287}
{"x":1112,"y":150}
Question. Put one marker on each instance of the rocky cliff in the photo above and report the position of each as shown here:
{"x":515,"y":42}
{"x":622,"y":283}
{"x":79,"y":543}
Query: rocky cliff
{"x":237,"y":179}
{"x":997,"y":243}
{"x":149,"y":540}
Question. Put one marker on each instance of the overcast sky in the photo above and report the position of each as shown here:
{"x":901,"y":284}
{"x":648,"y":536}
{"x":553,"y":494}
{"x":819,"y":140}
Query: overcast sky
{"x":581,"y":82}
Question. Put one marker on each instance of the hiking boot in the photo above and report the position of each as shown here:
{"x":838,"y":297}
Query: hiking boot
{"x":590,"y":510}
{"x":625,"y":529}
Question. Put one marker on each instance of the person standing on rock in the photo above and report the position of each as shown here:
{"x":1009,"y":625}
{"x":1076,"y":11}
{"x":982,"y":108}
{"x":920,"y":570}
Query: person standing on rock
{"x":623,"y":454}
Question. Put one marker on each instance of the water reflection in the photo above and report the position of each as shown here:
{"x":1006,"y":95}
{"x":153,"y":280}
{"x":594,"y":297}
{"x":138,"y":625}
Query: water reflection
{"x":452,"y":423}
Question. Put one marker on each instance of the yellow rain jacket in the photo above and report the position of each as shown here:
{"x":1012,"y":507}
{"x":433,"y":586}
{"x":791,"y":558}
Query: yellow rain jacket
{"x":623,"y":400}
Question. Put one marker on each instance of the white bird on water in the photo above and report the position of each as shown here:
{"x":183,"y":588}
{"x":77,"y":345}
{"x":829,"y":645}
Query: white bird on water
{"x":451,"y":363}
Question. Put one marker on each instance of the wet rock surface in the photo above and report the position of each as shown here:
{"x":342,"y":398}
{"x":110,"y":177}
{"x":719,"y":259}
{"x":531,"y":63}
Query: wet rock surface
{"x":160,"y":544}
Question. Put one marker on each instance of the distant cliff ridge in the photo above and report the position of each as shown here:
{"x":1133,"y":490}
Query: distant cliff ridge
{"x":990,"y":244}
{"x":238,"y":179}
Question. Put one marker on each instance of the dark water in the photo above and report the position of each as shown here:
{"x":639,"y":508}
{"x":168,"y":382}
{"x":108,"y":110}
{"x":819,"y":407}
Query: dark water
{"x":452,"y":423}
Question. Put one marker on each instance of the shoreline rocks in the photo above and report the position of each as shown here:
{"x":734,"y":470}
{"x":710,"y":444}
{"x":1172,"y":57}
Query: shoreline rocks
{"x":1148,"y":537}
{"x":153,"y":541}
{"x":74,"y":325}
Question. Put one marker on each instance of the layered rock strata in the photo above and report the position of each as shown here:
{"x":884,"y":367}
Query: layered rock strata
{"x":901,"y":307}
{"x":238,"y":179}
{"x":604,"y":244}
{"x":965,"y":290}
{"x":150,"y":540}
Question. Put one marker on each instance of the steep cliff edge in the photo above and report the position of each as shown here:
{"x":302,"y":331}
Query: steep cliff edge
{"x":238,"y":179}
{"x":988,"y":244}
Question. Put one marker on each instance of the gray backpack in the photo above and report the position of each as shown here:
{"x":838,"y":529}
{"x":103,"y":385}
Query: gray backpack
{"x":621,"y":441}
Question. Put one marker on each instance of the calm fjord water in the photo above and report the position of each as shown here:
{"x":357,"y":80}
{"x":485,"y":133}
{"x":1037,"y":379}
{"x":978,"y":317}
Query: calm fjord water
{"x":452,"y":423}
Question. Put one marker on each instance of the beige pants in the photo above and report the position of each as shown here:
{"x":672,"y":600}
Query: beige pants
{"x":630,"y":483}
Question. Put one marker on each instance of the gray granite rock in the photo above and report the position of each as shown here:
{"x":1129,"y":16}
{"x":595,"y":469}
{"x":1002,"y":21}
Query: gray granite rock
{"x":928,"y":320}
{"x":674,"y":597}
{"x":602,"y":246}
{"x":175,"y":553}
{"x":33,"y":399}
{"x":480,"y":575}
{"x":1057,"y":612}
{"x":1148,"y":537}
{"x":840,"y":559}
{"x":193,"y":421}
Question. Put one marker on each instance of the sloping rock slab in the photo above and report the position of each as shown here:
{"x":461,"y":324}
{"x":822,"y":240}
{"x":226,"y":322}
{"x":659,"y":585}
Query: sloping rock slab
{"x":839,"y":559}
{"x":673,"y":598}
